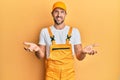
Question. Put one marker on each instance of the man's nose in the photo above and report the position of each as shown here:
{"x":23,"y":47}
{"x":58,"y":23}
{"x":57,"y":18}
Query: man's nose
{"x":59,"y":13}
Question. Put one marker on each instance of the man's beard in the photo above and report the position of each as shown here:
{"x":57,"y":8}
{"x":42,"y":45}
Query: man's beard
{"x":58,"y":23}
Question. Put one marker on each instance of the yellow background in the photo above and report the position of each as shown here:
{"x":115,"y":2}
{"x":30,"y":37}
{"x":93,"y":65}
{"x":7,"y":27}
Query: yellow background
{"x":22,"y":20}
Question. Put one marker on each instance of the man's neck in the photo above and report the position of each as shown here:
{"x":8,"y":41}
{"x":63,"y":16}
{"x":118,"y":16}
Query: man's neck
{"x":59,"y":27}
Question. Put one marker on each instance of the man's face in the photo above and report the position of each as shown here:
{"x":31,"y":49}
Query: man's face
{"x":58,"y":15}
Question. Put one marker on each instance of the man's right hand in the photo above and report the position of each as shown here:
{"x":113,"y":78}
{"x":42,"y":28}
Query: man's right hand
{"x":31,"y":47}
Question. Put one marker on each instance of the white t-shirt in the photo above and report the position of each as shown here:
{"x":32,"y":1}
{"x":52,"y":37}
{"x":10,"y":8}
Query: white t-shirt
{"x":60,"y":37}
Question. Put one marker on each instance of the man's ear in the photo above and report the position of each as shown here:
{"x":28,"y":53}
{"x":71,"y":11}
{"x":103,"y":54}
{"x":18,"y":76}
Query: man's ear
{"x":52,"y":13}
{"x":65,"y":12}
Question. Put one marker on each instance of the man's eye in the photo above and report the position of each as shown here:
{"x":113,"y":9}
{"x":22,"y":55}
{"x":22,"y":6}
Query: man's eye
{"x":62,"y":11}
{"x":55,"y":11}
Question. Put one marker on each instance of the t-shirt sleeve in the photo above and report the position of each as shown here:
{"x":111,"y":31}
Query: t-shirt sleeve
{"x":76,"y":36}
{"x":42,"y":37}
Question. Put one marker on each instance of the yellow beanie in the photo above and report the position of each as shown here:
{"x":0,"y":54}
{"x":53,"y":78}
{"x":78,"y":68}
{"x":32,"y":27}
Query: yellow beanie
{"x":59,"y":5}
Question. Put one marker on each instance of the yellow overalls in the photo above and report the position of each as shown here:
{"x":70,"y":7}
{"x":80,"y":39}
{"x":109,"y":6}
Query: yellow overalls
{"x":60,"y":64}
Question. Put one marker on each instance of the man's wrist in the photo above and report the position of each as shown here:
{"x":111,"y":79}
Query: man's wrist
{"x":83,"y":52}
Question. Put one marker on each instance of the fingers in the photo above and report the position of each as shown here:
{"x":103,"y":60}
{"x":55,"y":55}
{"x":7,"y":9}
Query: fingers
{"x":28,"y":49}
{"x":92,"y":52}
{"x":27,"y":43}
{"x":95,"y":45}
{"x":29,"y":46}
{"x":90,"y":49}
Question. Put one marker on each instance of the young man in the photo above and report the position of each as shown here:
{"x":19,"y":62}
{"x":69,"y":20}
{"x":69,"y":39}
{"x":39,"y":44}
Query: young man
{"x":60,"y":43}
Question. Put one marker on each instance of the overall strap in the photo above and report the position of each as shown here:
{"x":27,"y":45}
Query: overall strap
{"x":52,"y":37}
{"x":69,"y":35}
